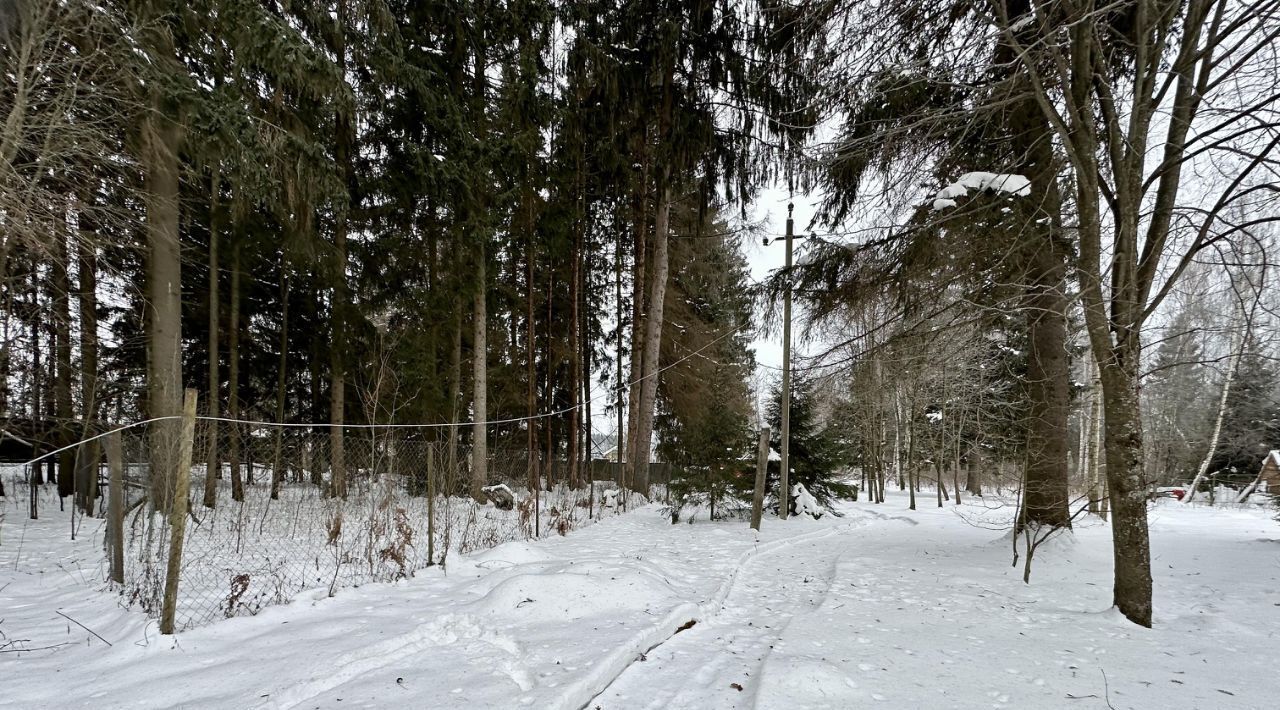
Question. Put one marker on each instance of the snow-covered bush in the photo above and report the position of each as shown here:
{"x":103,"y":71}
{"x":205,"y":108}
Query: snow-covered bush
{"x":803,"y":502}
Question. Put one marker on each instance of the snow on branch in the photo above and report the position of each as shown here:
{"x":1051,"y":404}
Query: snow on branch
{"x":997,"y":182}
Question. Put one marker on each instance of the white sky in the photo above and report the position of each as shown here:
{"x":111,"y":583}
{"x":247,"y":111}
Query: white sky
{"x":770,"y":210}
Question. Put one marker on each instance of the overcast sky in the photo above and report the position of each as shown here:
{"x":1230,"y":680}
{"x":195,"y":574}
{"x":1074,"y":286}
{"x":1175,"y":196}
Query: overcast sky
{"x":770,"y":210}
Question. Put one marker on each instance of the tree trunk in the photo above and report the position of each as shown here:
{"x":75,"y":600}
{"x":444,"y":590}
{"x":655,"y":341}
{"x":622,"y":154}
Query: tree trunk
{"x":87,"y":464}
{"x":973,"y":475}
{"x":213,"y":399}
{"x":1096,"y":472}
{"x":1044,"y":261}
{"x":480,"y":294}
{"x":973,"y":472}
{"x":620,"y":438}
{"x":1082,"y":443}
{"x":912,"y":480}
{"x":6,"y":356}
{"x":898,"y":440}
{"x":37,"y":382}
{"x":937,"y":479}
{"x":638,"y":320}
{"x":455,"y":397}
{"x":337,"y":375}
{"x":480,"y":377}
{"x":1128,"y":491}
{"x":344,"y":152}
{"x":575,"y":368}
{"x":1046,"y":490}
{"x":548,"y":391}
{"x":277,"y":464}
{"x":639,"y":312}
{"x":233,"y":379}
{"x":64,"y":411}
{"x":955,"y":463}
{"x":533,"y":475}
{"x":652,"y":345}
{"x":315,"y":364}
{"x":588,"y":438}
{"x":164,"y":378}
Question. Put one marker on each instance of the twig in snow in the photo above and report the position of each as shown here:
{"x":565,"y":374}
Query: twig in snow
{"x":21,"y":539}
{"x":1106,"y":689}
{"x":86,"y":628}
{"x":29,"y":650}
{"x":146,"y":640}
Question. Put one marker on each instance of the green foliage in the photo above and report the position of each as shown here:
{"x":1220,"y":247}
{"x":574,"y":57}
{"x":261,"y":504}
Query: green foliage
{"x":815,"y":453}
{"x":1251,"y":426}
{"x":355,"y":159}
{"x":704,"y":421}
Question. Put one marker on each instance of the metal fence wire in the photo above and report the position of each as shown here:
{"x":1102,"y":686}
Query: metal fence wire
{"x":265,"y":523}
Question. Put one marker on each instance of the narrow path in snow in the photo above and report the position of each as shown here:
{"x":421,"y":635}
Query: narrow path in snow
{"x":717,"y":662}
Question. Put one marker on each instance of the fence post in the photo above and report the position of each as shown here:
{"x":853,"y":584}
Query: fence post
{"x":762,"y":464}
{"x":33,"y":485}
{"x":431,"y":504}
{"x":178,"y":515}
{"x":115,"y":506}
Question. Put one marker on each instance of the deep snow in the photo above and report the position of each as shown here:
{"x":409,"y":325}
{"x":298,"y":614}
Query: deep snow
{"x":883,"y":607}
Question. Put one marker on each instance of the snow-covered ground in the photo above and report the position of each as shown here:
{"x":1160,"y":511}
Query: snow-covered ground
{"x":881,"y":608}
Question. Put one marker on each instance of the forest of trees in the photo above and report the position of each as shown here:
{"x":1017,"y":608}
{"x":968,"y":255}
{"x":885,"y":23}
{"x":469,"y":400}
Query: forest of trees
{"x":534,"y":212}
{"x":389,"y":212}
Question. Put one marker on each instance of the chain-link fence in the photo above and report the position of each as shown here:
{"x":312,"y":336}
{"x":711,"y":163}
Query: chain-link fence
{"x":268,"y":520}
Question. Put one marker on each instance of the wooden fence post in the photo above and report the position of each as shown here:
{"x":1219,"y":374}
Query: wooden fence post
{"x":178,"y":515}
{"x":115,"y":506}
{"x":33,"y":485}
{"x":431,"y":504}
{"x":762,"y":465}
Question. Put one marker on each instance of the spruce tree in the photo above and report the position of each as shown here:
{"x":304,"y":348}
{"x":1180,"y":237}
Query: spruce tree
{"x":1251,"y":425}
{"x":814,"y":454}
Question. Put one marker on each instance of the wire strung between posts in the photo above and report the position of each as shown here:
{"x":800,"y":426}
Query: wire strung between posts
{"x":440,"y":425}
{"x":99,"y":436}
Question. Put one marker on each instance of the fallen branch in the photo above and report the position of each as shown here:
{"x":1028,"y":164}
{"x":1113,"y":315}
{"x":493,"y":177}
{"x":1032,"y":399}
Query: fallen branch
{"x":86,"y":628}
{"x":31,"y":650}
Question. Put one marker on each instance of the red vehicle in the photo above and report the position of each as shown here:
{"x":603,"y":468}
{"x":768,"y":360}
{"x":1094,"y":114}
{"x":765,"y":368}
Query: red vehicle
{"x":1175,"y":492}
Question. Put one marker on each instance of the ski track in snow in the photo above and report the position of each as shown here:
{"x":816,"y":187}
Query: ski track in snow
{"x":732,"y":645}
{"x":613,"y":662}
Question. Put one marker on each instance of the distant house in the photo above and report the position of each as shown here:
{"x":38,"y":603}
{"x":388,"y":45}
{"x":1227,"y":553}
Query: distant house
{"x":1269,"y":476}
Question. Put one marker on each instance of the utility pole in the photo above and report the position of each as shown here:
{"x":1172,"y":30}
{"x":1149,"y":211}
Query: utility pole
{"x":785,"y":489}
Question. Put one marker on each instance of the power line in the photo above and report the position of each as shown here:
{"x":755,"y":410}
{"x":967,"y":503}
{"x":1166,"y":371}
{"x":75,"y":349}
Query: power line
{"x":438,"y":425}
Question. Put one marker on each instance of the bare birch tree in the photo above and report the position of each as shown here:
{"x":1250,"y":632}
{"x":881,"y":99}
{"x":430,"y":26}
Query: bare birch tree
{"x":1142,"y":96}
